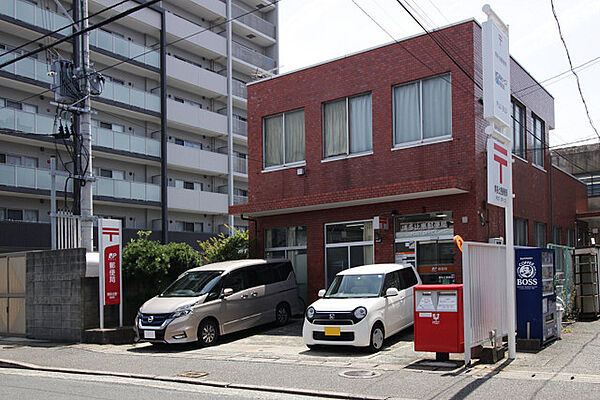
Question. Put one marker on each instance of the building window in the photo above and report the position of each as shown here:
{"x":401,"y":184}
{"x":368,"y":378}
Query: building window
{"x":539,"y":142}
{"x":518,"y":130}
{"x":14,"y":215}
{"x":520,"y":231}
{"x":347,"y":126}
{"x":557,"y":235}
{"x":539,"y":235}
{"x":185,"y":226}
{"x":347,"y":245}
{"x":591,"y":180}
{"x":289,"y":243}
{"x":31,"y":215}
{"x":283,"y":138}
{"x":435,"y":253}
{"x":422,"y":110}
{"x":570,"y":236}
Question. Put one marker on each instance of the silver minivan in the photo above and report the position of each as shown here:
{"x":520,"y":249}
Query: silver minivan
{"x":220,"y":298}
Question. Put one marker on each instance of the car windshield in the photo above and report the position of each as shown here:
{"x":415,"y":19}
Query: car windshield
{"x":193,"y":284}
{"x":347,"y":286}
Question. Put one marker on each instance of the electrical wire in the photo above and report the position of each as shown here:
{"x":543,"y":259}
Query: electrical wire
{"x":573,"y":70}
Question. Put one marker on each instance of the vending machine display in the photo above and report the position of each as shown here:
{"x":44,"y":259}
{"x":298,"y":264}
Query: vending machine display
{"x":536,"y":297}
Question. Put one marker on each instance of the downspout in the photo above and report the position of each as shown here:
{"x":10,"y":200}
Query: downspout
{"x":255,"y":225}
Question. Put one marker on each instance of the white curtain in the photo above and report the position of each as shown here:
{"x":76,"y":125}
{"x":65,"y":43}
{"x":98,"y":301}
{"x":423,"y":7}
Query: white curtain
{"x":361,"y":131}
{"x":294,"y":136}
{"x":335,"y":128}
{"x":407,"y":113}
{"x":273,"y":141}
{"x":436,"y":107}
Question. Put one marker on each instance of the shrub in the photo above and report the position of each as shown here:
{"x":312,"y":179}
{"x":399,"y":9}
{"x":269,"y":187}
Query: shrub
{"x":225,"y":248}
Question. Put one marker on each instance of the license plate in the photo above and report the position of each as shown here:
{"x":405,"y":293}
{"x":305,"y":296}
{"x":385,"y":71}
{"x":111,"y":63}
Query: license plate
{"x":149,"y":335}
{"x":332,"y":331}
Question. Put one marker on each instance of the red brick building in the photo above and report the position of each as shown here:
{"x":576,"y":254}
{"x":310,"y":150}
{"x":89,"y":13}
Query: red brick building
{"x":396,"y":132}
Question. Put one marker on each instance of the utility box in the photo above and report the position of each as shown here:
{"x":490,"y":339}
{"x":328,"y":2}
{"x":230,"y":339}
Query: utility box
{"x":438,"y":317}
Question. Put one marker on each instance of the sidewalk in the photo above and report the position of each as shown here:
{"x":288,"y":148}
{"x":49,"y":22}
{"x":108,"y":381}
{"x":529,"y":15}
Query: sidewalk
{"x":277,"y":359}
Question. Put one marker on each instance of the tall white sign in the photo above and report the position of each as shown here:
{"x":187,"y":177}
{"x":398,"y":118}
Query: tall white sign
{"x":498,"y":176}
{"x":496,"y":75}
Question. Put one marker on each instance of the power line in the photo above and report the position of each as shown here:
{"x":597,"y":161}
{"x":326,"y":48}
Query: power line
{"x":573,"y":70}
{"x":74,"y":24}
{"x":89,"y":28}
{"x":440,"y":46}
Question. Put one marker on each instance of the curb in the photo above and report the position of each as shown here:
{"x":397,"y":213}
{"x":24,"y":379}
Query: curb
{"x":304,"y":392}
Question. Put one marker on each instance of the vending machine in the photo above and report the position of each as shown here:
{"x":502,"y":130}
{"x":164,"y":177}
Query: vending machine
{"x":537,"y":322}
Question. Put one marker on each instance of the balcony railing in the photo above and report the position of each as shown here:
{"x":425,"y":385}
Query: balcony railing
{"x":253,"y":21}
{"x":240,"y":199}
{"x":125,"y":142}
{"x":131,"y":96}
{"x":31,"y":178}
{"x":126,"y":190}
{"x":240,"y":127}
{"x":27,"y":67}
{"x":240,"y":165}
{"x":239,"y":89}
{"x":30,"y":13}
{"x":23,"y":121}
{"x":123,"y":47}
{"x":252,"y":56}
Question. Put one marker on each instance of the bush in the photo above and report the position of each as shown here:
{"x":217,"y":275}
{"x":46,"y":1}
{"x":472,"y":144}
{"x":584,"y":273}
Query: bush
{"x":225,"y":248}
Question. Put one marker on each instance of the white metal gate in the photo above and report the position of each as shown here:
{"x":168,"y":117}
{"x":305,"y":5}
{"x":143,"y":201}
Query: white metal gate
{"x":12,"y":294}
{"x":484,"y":294}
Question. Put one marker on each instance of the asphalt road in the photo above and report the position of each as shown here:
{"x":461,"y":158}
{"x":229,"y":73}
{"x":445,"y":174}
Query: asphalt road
{"x":24,"y":384}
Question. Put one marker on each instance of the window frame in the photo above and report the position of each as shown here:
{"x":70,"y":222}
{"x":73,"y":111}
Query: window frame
{"x":284,"y":164}
{"x":423,"y":141}
{"x":323,"y":135}
{"x":542,"y":141}
{"x":522,"y":152}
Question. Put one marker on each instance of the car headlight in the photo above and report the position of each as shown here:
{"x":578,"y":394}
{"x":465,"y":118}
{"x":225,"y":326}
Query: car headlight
{"x":310,"y":313}
{"x":180,"y":312}
{"x":360,"y":313}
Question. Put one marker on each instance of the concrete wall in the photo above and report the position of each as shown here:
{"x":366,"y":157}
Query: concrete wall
{"x":59,"y":304}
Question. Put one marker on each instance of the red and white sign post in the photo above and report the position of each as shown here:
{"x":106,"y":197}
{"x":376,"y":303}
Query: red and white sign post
{"x":110,"y":237}
{"x":496,"y":110}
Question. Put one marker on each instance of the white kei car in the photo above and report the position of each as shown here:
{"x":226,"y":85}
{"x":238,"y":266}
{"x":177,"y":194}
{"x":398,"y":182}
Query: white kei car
{"x":362,"y":307}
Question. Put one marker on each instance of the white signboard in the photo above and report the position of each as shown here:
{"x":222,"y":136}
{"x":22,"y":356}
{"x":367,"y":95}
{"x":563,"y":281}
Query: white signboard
{"x":496,"y":75}
{"x":498,"y":173}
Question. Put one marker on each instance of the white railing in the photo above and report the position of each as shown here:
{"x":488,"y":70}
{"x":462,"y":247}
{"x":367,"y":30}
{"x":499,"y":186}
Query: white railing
{"x":252,"y":56}
{"x":125,"y":142}
{"x":240,"y":165}
{"x":253,"y":21}
{"x":30,"y":13}
{"x":131,"y":96}
{"x":123,"y":47}
{"x":239,"y":89}
{"x":32,"y":178}
{"x":23,"y":121}
{"x":484,"y":294}
{"x":240,"y":127}
{"x":121,"y":189}
{"x":68,"y":230}
{"x":27,"y":67}
{"x":240,"y":199}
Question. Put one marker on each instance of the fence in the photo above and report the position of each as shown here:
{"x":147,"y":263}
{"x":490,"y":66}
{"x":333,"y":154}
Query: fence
{"x":563,"y":276}
{"x":484,"y":294}
{"x":68,"y":230}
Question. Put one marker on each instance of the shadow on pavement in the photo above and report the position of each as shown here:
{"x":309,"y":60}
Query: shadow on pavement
{"x":7,"y":343}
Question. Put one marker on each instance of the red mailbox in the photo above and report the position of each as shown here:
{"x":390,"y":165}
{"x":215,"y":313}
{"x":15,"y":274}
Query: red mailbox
{"x":439,"y":319}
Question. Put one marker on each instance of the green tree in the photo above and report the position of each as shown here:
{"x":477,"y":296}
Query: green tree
{"x":225,"y":248}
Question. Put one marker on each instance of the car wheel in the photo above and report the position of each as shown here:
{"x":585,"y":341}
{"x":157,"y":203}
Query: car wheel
{"x":377,"y":337}
{"x":208,"y":332}
{"x":282,"y":314}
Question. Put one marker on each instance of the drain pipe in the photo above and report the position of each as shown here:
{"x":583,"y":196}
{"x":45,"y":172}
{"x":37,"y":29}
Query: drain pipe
{"x":255,"y":224}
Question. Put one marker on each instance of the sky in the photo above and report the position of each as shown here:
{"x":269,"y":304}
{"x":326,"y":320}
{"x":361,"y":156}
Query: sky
{"x":313,"y":31}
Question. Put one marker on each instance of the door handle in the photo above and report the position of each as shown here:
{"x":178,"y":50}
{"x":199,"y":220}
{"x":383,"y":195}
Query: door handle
{"x":254,"y":294}
{"x":244,"y":296}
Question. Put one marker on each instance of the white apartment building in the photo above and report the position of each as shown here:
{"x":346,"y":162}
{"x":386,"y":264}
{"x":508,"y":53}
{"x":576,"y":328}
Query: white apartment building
{"x":126,"y":129}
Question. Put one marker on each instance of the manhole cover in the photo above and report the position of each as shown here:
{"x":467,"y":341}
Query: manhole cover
{"x":360,"y":374}
{"x":193,"y":374}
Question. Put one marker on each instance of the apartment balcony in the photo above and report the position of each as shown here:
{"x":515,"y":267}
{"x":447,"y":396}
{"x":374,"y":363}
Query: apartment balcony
{"x":145,"y":20}
{"x":251,"y":24}
{"x":213,"y":9}
{"x":28,"y":68}
{"x":126,"y":190}
{"x":196,"y":160}
{"x":26,"y":122}
{"x":182,"y":74}
{"x":32,"y":14}
{"x":240,"y":165}
{"x":239,"y":89}
{"x":125,"y":142}
{"x":240,"y":199}
{"x":197,"y":201}
{"x":125,"y":48}
{"x":193,"y":118}
{"x":207,"y":43}
{"x":251,"y":58}
{"x":30,"y":178}
{"x":130,"y":96}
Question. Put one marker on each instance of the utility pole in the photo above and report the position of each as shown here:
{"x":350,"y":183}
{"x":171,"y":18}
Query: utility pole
{"x":230,"y":116}
{"x":85,"y":130}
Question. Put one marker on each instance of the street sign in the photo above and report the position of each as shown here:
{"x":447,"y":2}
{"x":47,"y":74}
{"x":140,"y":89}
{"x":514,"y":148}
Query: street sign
{"x":498,"y":174}
{"x":109,"y":247}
